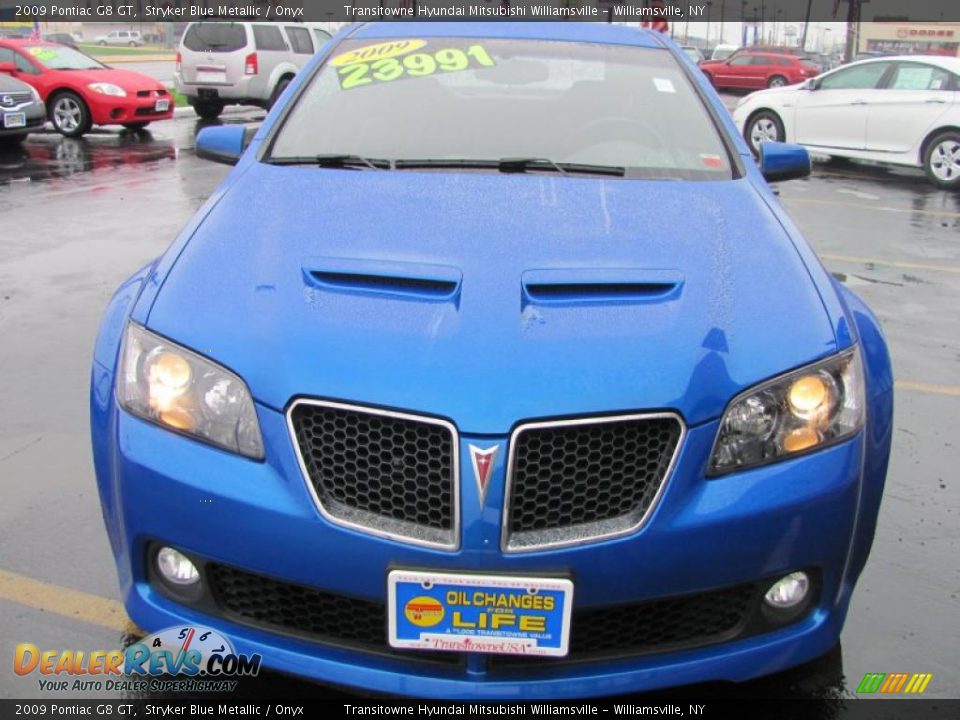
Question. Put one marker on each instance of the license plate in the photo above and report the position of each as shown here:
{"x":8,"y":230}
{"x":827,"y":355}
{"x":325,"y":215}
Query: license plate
{"x":211,"y":76}
{"x":162,"y":105}
{"x":14,"y":120}
{"x":504,"y":615}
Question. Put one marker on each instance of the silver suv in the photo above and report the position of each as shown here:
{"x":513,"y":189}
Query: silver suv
{"x":241,"y":63}
{"x":120,"y":37}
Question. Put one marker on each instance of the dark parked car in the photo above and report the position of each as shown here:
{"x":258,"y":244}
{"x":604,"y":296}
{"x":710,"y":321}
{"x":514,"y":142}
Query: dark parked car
{"x":21,"y":109}
{"x":754,"y":70}
{"x":62,"y":38}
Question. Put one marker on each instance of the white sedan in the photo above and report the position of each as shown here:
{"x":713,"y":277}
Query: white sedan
{"x":899,"y":110}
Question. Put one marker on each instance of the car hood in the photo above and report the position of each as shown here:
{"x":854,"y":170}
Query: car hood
{"x":489,"y":298}
{"x":10,"y":84}
{"x":127,"y":79}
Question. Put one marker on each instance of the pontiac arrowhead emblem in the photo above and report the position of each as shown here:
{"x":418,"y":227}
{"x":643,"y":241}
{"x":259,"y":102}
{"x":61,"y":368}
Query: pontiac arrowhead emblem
{"x":483,"y":467}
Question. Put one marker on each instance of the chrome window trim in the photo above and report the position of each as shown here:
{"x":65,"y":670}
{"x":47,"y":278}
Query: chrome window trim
{"x":602,"y":534}
{"x":454,"y":543}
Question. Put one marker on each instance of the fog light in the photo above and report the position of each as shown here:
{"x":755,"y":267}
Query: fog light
{"x":176,"y":567}
{"x":789,"y":591}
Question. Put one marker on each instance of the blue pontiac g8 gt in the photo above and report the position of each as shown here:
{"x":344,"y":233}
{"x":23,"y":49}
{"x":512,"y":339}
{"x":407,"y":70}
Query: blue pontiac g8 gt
{"x":494,"y":369}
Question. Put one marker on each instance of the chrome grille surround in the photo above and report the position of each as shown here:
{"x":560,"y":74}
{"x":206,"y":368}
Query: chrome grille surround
{"x":374,"y":523}
{"x":512,"y":541}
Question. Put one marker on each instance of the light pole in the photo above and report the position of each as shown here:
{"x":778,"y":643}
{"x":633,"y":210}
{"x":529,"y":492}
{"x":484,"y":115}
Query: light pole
{"x":707,"y":41}
{"x":743,"y":23}
{"x":723,"y":10}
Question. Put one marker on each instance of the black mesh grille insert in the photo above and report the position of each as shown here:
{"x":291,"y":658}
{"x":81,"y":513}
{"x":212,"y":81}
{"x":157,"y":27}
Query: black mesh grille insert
{"x":660,"y":625}
{"x":596,"y":633}
{"x":324,"y":616}
{"x":576,"y":481}
{"x":306,"y":612}
{"x":394,"y":474}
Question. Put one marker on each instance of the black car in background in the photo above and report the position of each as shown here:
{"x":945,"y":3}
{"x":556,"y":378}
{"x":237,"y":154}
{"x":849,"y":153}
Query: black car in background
{"x":62,"y":38}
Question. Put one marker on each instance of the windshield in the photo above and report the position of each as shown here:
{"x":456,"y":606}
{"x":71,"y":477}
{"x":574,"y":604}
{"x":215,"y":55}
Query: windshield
{"x":446,"y":99}
{"x":58,"y":57}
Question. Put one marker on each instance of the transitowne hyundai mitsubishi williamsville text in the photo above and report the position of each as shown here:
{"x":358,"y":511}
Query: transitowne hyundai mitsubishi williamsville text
{"x":494,"y":368}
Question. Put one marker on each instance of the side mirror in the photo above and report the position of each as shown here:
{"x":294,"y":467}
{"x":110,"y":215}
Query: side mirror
{"x":224,"y":143}
{"x":783,"y":161}
{"x":7,"y":67}
{"x":809,"y":84}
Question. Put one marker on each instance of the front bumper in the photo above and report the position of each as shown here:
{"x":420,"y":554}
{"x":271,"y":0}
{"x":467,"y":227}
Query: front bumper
{"x":260,"y":518}
{"x":35,"y":115}
{"x":112,"y":110}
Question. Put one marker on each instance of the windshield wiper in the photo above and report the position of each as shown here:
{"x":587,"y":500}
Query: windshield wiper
{"x":512,"y":165}
{"x":333,"y":161}
{"x":521,"y":165}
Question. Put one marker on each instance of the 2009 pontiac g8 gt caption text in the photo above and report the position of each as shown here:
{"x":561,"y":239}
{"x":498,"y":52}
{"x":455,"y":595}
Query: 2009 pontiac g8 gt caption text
{"x":494,"y":368}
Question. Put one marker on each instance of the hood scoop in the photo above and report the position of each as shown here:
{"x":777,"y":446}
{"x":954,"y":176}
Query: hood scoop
{"x":421,"y":281}
{"x":600,"y":285}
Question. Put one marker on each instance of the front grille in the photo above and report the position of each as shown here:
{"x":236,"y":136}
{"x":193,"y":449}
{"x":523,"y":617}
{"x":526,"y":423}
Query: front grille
{"x":595,"y":633}
{"x":324,"y":616}
{"x":13,"y":99}
{"x":573,"y":481}
{"x":656,"y":626}
{"x":151,"y":93}
{"x":146,"y":112}
{"x":306,"y":612}
{"x":388,"y":473}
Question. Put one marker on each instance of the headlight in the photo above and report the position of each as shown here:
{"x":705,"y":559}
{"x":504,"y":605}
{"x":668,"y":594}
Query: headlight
{"x":806,"y":409}
{"x":108,"y":89}
{"x":36,"y":95}
{"x":182,"y":391}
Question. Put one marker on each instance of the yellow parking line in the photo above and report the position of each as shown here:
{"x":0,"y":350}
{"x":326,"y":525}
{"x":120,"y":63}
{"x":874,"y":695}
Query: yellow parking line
{"x":67,"y":602}
{"x":873,"y":208}
{"x":953,"y":390}
{"x":890,"y":263}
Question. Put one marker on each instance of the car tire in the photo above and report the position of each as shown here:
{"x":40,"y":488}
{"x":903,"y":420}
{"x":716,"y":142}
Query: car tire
{"x":763,"y":125}
{"x":136,"y":127}
{"x":777,"y":81}
{"x":132,"y":43}
{"x":941,"y":160}
{"x":207,"y":110}
{"x":69,"y":114}
{"x":277,"y":92}
{"x":102,"y":43}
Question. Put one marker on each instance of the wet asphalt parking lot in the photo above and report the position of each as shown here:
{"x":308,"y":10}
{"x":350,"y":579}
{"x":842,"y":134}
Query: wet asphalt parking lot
{"x":80,"y":215}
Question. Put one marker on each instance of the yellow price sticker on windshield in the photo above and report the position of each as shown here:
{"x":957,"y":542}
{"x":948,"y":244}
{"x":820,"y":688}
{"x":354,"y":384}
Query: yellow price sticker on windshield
{"x":370,"y":53}
{"x":42,"y":53}
{"x":414,"y":64}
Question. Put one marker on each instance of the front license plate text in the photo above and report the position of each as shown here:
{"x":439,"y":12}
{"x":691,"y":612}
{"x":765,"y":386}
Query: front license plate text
{"x":499,"y":614}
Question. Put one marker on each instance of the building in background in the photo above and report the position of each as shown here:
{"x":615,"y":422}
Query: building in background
{"x":910,"y":38}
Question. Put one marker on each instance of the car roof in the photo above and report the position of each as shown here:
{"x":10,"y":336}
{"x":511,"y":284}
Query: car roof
{"x":26,"y":42}
{"x":947,"y":63}
{"x":767,"y":53}
{"x":559,"y":31}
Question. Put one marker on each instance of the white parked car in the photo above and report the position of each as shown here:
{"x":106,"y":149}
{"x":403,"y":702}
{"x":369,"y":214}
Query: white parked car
{"x":242,"y":63}
{"x":132,"y":38}
{"x":901,"y":110}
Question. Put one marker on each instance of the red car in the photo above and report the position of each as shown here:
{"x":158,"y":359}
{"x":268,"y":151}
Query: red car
{"x":80,"y":92}
{"x":758,"y":70}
